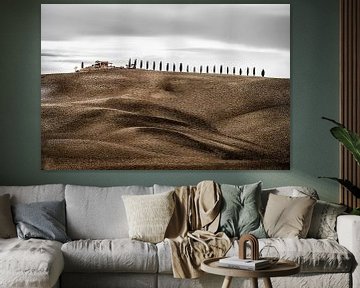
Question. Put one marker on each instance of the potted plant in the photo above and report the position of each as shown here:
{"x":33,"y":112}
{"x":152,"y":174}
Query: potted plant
{"x":351,"y":141}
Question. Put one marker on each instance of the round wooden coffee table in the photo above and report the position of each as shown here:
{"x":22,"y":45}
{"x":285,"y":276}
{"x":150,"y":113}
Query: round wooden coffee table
{"x":281,"y":268}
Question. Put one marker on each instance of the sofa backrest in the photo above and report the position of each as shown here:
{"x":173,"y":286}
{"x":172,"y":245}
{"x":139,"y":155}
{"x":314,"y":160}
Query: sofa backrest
{"x":98,"y":212}
{"x":293,"y":191}
{"x":162,"y":188}
{"x":36,"y":193}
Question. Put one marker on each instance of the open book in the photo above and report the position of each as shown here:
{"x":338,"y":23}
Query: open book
{"x":236,"y":262}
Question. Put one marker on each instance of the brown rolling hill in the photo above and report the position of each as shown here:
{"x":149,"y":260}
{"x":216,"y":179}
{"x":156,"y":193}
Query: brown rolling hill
{"x":139,"y":119}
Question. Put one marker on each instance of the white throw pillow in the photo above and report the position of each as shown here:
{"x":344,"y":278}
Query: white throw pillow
{"x":149,"y":215}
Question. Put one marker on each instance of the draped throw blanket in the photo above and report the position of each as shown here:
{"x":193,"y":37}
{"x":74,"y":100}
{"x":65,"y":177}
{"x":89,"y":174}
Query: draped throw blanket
{"x":191,"y":231}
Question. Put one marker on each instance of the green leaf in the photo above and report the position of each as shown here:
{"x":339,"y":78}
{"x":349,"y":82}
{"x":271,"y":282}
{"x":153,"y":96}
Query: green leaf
{"x":347,"y":184}
{"x":333,"y":121}
{"x":355,"y":211}
{"x":348,"y":138}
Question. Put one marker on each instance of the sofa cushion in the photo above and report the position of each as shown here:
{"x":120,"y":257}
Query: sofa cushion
{"x":98,"y":213}
{"x":43,"y":220}
{"x":149,"y":215}
{"x":313,"y":255}
{"x":117,"y":255}
{"x":287,"y":216}
{"x":37,"y":193}
{"x":164,"y":257}
{"x":109,"y":280}
{"x":7,"y":226}
{"x":30,"y":263}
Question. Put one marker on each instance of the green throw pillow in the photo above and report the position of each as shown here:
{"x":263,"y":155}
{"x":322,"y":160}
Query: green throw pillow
{"x":240,"y":213}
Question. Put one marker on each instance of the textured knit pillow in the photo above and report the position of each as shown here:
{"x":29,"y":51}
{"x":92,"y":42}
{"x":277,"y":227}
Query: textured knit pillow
{"x":7,"y":226}
{"x":288,"y":217}
{"x":43,"y":220}
{"x":323,"y":222}
{"x":240,"y":213}
{"x":149,"y":215}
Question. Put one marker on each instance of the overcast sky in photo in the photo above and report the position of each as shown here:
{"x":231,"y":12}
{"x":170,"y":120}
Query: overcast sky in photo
{"x":251,"y":35}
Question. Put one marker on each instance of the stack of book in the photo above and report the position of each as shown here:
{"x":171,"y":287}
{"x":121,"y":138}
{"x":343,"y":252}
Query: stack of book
{"x":248,"y":264}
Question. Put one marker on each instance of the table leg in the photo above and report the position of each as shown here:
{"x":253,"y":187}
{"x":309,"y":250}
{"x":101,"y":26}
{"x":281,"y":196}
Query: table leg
{"x":227,"y":282}
{"x":254,"y":282}
{"x":267,"y":283}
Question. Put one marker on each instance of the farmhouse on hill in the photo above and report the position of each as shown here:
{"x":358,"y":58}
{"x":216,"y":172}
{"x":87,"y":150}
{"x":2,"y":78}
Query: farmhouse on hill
{"x":96,"y":66}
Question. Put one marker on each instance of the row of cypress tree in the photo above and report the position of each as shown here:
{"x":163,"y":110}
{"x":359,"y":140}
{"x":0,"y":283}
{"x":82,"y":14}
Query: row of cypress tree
{"x":181,"y":68}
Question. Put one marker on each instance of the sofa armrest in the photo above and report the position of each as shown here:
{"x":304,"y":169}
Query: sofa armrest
{"x":348,"y":230}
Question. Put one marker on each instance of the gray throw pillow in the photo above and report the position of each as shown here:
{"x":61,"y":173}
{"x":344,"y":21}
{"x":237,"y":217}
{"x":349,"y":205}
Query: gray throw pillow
{"x":44,"y":220}
{"x":323,"y":222}
{"x":240,"y":213}
{"x":7,"y":227}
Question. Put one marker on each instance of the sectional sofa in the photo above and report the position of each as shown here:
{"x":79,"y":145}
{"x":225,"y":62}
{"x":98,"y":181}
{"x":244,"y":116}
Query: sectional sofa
{"x":101,"y":254}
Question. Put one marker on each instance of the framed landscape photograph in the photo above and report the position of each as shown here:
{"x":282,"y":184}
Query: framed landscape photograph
{"x":165,"y":86}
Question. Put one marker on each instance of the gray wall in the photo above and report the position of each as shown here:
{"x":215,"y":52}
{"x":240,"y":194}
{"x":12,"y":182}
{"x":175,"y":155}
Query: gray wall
{"x":314,"y":93}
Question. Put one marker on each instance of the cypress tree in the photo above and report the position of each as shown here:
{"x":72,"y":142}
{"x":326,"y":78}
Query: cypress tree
{"x":174,"y":67}
{"x":247,"y":71}
{"x":135,"y":63}
{"x":263,"y":73}
{"x":207,"y":69}
{"x":234,"y":71}
{"x":220,"y":69}
{"x":154,"y":65}
{"x":194,"y":70}
{"x":240,"y":71}
{"x":129,"y":64}
{"x":147,"y":65}
{"x":167,"y":67}
{"x":180,"y":67}
{"x":160,"y":66}
{"x":227,"y":70}
{"x":141,"y":64}
{"x":254,"y":71}
{"x":82,"y":65}
{"x":187,"y":68}
{"x":214,"y":69}
{"x":200,"y":68}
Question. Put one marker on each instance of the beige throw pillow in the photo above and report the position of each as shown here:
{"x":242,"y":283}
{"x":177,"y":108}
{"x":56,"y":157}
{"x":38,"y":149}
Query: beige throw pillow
{"x":288,"y":217}
{"x":7,"y":226}
{"x":148,"y":215}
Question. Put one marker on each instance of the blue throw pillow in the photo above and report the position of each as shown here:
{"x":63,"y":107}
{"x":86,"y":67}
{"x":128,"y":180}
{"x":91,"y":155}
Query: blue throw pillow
{"x":43,"y":220}
{"x":240,"y":212}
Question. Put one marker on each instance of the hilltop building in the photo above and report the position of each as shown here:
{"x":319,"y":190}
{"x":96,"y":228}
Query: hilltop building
{"x":98,"y":65}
